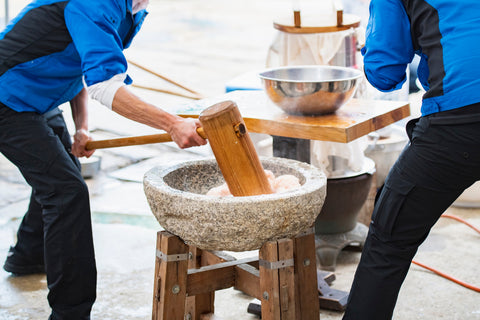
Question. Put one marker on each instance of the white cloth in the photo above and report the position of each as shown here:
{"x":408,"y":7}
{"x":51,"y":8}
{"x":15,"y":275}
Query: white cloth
{"x":104,"y":92}
{"x":305,"y":49}
{"x":353,"y":152}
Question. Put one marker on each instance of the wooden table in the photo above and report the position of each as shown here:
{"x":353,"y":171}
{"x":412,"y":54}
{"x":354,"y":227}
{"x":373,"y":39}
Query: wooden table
{"x":352,"y":121}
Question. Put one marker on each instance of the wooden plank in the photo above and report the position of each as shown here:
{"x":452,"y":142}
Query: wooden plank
{"x":254,"y":264}
{"x":213,"y":277}
{"x":312,"y":24}
{"x":157,"y":281}
{"x":269,"y":282}
{"x":201,"y":303}
{"x":214,"y":257}
{"x":247,"y":280}
{"x":170,"y":279}
{"x":286,"y":277}
{"x":307,"y":302}
{"x":353,"y":120}
{"x":210,"y":280}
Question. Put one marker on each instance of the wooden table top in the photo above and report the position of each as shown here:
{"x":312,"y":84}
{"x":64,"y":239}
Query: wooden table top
{"x":353,"y":120}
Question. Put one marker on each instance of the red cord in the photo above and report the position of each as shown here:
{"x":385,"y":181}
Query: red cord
{"x":466,"y":285}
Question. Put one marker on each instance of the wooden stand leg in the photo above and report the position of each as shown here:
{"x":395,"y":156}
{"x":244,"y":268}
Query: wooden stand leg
{"x":277,"y":280}
{"x":201,"y":303}
{"x":306,"y":278}
{"x":286,"y":279}
{"x":170,"y":282}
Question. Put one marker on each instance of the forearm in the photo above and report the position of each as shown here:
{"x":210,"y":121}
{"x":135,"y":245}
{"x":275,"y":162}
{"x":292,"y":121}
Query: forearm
{"x":182,"y":130}
{"x":79,"y":106}
{"x":130,"y":106}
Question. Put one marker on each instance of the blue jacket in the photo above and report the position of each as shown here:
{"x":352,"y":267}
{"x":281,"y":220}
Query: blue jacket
{"x":446,"y":35}
{"x":51,"y":44}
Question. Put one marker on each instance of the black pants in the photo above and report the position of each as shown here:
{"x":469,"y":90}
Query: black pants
{"x":57,"y":225}
{"x":441,"y":161}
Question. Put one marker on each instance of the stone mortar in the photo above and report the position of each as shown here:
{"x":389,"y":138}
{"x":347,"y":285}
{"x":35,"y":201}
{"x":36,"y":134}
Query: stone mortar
{"x":177,"y":198}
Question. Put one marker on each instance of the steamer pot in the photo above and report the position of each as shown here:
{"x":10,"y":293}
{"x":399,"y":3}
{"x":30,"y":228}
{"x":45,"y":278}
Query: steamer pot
{"x":346,"y":194}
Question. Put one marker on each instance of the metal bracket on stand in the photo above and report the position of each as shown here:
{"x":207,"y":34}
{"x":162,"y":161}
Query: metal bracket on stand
{"x":330,"y":299}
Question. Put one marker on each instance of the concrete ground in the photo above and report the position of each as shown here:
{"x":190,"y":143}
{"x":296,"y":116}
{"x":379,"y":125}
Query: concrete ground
{"x":203,"y":45}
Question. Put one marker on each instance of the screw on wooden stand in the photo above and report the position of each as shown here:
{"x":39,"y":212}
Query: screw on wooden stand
{"x":265,"y":295}
{"x":176,"y":289}
{"x":306,"y":262}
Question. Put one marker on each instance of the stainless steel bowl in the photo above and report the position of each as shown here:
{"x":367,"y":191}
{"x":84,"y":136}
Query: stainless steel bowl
{"x":310,"y":90}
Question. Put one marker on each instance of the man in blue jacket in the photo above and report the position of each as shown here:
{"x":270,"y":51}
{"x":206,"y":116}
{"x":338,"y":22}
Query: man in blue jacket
{"x":55,"y":52}
{"x":443,"y":156}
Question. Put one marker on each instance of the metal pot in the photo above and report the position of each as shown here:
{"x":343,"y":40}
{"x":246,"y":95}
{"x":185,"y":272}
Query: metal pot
{"x":385,"y":151}
{"x":347,"y":191}
{"x":346,"y":55}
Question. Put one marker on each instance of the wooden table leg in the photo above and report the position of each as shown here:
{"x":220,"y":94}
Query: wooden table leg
{"x":170,"y":282}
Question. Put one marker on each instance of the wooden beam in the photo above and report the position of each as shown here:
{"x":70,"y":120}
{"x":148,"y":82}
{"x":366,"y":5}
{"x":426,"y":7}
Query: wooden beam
{"x":247,"y":280}
{"x":213,"y":277}
{"x":215,"y":257}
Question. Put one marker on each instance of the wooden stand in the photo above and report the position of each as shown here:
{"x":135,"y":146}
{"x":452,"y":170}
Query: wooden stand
{"x":283,"y":278}
{"x":313,"y":25}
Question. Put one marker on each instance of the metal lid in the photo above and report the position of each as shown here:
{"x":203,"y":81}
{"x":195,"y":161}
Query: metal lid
{"x":339,"y":169}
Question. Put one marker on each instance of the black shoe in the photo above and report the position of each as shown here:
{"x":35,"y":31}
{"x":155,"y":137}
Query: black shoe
{"x":20,"y":266}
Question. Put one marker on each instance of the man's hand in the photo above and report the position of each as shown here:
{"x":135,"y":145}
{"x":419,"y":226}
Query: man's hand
{"x":79,"y":141}
{"x":184,"y":133}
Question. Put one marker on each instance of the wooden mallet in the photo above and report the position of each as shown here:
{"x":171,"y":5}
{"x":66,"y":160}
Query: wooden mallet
{"x":223,"y":126}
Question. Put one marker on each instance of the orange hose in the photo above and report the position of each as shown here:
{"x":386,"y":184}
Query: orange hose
{"x":460,"y":220}
{"x":466,"y":285}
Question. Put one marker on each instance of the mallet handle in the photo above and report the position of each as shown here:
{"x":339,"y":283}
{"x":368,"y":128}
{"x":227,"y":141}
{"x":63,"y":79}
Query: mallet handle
{"x":135,"y":140}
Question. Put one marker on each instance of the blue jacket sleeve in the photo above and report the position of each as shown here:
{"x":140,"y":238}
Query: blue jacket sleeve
{"x":93,"y":27}
{"x":388,"y":47}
